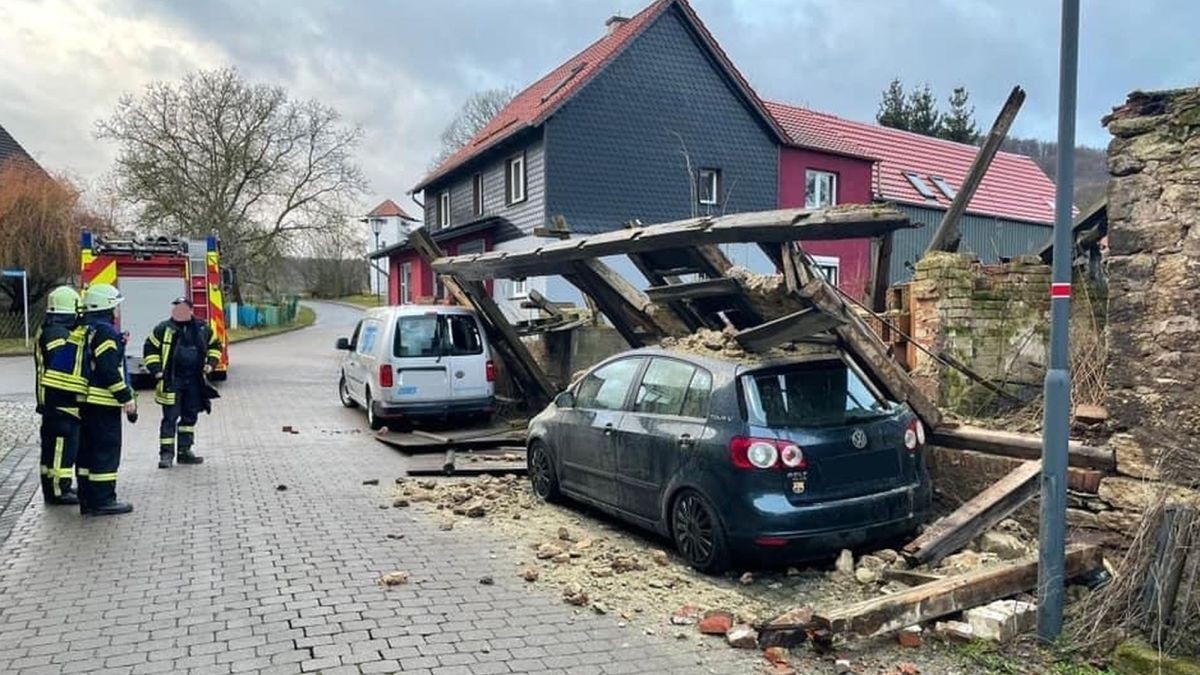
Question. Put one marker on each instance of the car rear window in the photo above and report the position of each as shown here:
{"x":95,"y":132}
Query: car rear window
{"x":417,"y":336}
{"x":822,"y":393}
{"x":463,"y":332}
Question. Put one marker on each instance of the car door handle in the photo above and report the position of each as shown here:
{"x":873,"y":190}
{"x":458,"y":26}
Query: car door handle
{"x":608,"y":429}
{"x":686,"y":441}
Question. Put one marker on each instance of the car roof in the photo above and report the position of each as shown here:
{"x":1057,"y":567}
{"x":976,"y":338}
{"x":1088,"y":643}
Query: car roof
{"x":417,"y":310}
{"x":729,"y":365}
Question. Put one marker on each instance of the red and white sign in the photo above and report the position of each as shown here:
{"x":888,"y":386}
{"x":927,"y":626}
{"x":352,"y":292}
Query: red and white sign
{"x":1060,"y":290}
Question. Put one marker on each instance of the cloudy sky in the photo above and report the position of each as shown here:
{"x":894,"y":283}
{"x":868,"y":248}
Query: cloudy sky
{"x":400,"y":68}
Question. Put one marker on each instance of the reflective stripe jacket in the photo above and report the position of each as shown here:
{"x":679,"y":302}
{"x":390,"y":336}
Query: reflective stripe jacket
{"x":58,"y":356}
{"x":107,"y":384}
{"x":158,"y":349}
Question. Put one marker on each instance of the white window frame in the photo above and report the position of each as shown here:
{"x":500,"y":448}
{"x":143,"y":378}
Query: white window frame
{"x":406,"y":283}
{"x":477,"y":194}
{"x":443,"y":211}
{"x":711,"y":176}
{"x":518,"y":289}
{"x":814,"y":201}
{"x":830,"y":266}
{"x":515,"y":184}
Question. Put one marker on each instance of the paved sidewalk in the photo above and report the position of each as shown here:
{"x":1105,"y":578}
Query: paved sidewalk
{"x":218,"y":571}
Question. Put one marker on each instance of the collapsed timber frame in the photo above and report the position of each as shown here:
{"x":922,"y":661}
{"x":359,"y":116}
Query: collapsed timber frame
{"x":671,"y":307}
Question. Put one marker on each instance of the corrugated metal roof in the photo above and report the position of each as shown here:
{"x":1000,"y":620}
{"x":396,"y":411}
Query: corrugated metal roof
{"x":1014,"y":186}
{"x":541,"y":99}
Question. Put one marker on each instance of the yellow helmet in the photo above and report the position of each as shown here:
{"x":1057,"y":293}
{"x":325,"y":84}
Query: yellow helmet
{"x":101,"y":297}
{"x":63,"y":300}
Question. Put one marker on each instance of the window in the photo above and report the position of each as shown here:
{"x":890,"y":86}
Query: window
{"x":443,"y":209}
{"x":406,"y":283}
{"x":605,"y":388}
{"x":518,"y":288}
{"x":417,"y":336}
{"x":699,"y":391}
{"x":709,"y":186}
{"x":943,"y":186}
{"x":514,"y":180}
{"x":920,"y":185}
{"x":663,"y":387}
{"x":477,"y":194}
{"x":354,"y":335}
{"x":828,"y":266}
{"x":820,"y":189}
{"x":472,"y":246}
{"x":820,"y":393}
{"x":463,"y":334}
{"x":370,"y":329}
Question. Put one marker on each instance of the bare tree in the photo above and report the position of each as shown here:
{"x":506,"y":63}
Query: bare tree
{"x":40,"y":220}
{"x":214,"y":153}
{"x":475,"y":113}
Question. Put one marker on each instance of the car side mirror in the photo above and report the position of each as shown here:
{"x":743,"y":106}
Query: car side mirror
{"x":565,"y":400}
{"x":343,"y":344}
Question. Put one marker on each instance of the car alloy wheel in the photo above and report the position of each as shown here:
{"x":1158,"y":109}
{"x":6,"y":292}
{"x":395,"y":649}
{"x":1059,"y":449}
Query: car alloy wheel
{"x":541,"y":472}
{"x":698,"y":534}
{"x":344,"y":393}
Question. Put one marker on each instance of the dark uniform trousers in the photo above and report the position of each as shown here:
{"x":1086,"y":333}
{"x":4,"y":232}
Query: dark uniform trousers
{"x":99,"y":454}
{"x":60,"y":442}
{"x":179,"y":418}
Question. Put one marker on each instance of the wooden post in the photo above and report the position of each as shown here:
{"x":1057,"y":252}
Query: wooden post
{"x":881,"y":252}
{"x":537,"y":387}
{"x":946,"y":237}
{"x":1161,"y":585}
{"x":625,"y":306}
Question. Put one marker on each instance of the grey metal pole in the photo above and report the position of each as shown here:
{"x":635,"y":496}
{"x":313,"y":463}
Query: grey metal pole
{"x":1053,"y":536}
{"x":25,"y":297}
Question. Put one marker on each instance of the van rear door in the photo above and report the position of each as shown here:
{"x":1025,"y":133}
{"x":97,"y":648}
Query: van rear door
{"x":467,"y":355}
{"x":421,"y":368}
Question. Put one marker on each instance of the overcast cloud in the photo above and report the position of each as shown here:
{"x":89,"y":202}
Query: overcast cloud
{"x":401,"y":68}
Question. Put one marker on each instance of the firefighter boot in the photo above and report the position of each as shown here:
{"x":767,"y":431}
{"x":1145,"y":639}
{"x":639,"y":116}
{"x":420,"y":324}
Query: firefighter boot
{"x":112,"y":508}
{"x":186,"y":457}
{"x":165,"y":459}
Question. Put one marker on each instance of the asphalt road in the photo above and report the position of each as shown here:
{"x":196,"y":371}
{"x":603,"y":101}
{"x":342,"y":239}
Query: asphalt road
{"x":267,"y":558}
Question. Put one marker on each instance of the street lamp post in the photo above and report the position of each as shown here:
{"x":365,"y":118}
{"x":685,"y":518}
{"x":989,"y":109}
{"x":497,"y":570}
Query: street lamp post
{"x":376,"y":227}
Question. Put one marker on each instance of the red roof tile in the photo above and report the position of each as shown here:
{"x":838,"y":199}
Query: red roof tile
{"x":389,"y":209}
{"x":541,"y":99}
{"x":1014,"y":186}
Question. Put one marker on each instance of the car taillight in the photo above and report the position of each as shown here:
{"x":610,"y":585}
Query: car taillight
{"x":914,"y":436}
{"x":491,"y":371}
{"x":385,"y":376}
{"x":765,"y":453}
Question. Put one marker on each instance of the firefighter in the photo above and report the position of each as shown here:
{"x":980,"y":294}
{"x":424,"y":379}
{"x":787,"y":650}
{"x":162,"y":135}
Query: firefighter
{"x":61,"y":384}
{"x":108,"y":393}
{"x":180,"y":353}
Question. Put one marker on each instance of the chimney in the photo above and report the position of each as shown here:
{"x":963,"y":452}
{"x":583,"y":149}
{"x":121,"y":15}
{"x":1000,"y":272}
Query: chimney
{"x":614,"y":22}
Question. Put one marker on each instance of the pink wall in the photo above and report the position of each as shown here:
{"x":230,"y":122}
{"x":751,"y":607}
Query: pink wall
{"x":853,"y":187}
{"x":423,"y":285}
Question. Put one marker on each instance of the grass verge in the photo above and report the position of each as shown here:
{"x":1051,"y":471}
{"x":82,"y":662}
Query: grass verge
{"x":15,"y":346}
{"x":361,"y":300}
{"x":304,"y":318}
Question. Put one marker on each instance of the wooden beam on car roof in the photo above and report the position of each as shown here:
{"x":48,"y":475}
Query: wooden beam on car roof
{"x":802,"y":324}
{"x":842,"y":222}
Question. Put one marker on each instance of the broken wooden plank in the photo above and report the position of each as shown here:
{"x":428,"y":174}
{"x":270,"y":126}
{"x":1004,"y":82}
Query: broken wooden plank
{"x":763,"y":226}
{"x":949,"y":534}
{"x":947,"y":236}
{"x":952,"y":594}
{"x":804,"y":323}
{"x":705,"y":288}
{"x":909,"y":577}
{"x":1021,"y":446}
{"x":881,"y":253}
{"x":1161,"y":585}
{"x":624,"y":305}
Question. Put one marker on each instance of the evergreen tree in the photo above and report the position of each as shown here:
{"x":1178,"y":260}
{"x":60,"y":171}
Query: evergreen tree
{"x":959,"y":124}
{"x":923,"y":116}
{"x":893,"y":109}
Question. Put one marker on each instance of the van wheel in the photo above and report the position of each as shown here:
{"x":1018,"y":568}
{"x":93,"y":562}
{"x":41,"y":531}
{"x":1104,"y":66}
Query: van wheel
{"x":698,"y":533}
{"x":542,"y":475}
{"x":373,"y":421}
{"x":344,"y":393}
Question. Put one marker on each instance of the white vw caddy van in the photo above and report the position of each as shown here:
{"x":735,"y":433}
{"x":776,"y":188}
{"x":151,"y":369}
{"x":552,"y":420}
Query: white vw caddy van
{"x":418,"y":362}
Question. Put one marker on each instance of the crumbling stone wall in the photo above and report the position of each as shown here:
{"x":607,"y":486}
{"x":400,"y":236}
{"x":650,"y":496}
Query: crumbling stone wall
{"x":1153,"y":369}
{"x":992,"y":318}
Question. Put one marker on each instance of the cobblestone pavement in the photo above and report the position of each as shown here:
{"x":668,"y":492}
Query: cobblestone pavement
{"x":221,"y":570}
{"x":18,"y":456}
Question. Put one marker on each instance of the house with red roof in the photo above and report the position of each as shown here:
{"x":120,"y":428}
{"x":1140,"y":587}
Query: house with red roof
{"x":386,"y":226}
{"x":652,"y":122}
{"x":1011,"y":213}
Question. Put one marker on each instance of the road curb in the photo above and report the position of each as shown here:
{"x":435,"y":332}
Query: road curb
{"x":351,"y":305}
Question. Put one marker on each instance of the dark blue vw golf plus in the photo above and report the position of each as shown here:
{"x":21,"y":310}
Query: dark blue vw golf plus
{"x":767,"y":462}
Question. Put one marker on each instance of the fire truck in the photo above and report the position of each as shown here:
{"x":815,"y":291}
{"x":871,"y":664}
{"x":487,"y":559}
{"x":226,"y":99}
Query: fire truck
{"x":150,"y":274}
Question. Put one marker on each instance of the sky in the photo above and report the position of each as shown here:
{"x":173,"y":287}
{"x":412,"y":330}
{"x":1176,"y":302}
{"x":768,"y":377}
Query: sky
{"x":400,"y":68}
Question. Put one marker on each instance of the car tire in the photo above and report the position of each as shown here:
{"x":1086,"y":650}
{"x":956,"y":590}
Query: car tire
{"x":344,"y":393}
{"x":698,"y":533}
{"x":543,"y":478}
{"x":373,"y":420}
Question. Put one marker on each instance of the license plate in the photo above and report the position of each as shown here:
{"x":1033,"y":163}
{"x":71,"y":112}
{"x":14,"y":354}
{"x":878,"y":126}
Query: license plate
{"x":406,"y":390}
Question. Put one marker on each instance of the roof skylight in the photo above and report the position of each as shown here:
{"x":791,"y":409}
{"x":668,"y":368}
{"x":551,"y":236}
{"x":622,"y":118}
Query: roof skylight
{"x":920,"y":185}
{"x":943,"y":186}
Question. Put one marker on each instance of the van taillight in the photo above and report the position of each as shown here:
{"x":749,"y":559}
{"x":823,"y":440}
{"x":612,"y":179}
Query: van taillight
{"x":766,"y":453}
{"x":491,"y":371}
{"x":385,"y":376}
{"x":914,"y":436}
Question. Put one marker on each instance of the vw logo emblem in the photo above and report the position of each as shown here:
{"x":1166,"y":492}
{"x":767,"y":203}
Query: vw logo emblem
{"x":858,"y":439}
